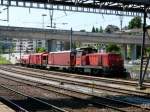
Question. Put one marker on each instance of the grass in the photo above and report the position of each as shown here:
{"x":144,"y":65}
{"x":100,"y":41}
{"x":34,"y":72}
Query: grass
{"x":4,"y":61}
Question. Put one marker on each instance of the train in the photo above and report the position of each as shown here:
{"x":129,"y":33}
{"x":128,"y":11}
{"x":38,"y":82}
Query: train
{"x":83,"y":60}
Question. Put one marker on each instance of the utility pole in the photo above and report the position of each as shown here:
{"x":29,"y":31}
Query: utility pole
{"x":9,"y":53}
{"x":7,"y":13}
{"x":51,"y":13}
{"x":43,"y":26}
{"x":121,"y":21}
{"x":141,"y":78}
{"x":71,"y":39}
{"x":35,"y":45}
{"x":43,"y":15}
{"x":20,"y":48}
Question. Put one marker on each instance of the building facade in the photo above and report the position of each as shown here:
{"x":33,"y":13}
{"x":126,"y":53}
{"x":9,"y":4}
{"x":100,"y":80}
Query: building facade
{"x":27,"y":46}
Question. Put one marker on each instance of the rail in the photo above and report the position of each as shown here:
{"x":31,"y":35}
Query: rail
{"x":84,"y":93}
{"x":52,"y":107}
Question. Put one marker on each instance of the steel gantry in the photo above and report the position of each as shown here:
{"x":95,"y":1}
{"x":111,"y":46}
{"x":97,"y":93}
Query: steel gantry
{"x":115,"y":7}
{"x":111,"y":7}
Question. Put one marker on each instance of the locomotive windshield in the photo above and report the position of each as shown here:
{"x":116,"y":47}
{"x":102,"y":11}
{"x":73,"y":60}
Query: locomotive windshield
{"x":85,"y":50}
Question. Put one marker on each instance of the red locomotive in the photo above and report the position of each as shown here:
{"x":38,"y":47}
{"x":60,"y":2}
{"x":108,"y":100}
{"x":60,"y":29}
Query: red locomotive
{"x":82,"y":60}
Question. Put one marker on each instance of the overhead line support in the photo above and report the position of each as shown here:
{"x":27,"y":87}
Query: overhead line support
{"x":141,"y":76}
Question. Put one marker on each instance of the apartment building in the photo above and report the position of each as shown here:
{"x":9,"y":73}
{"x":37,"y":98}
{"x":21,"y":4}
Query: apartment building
{"x":26,"y":45}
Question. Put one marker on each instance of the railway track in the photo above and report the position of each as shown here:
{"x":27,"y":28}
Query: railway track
{"x":81,"y":100}
{"x":79,"y":82}
{"x":105,"y":100}
{"x":102,"y":79}
{"x":21,"y":102}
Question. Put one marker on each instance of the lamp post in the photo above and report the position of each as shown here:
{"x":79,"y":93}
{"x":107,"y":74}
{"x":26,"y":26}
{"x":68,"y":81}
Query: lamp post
{"x":43,"y":26}
{"x":20,"y":48}
{"x":71,"y":39}
{"x":43,"y":15}
{"x":54,"y":25}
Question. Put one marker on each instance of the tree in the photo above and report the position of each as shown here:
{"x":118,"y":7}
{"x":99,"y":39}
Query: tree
{"x":1,"y":48}
{"x":82,"y":30}
{"x":111,"y":29}
{"x":96,"y":30}
{"x":78,"y":44}
{"x":113,"y":48}
{"x":147,"y":50}
{"x":40,"y":49}
{"x":101,"y":29}
{"x":136,"y":22}
{"x":93,"y":29}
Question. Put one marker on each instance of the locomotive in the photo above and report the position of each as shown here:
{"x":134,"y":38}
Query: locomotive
{"x":83,"y":60}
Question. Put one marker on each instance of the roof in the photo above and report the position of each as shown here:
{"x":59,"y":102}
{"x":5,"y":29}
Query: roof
{"x":40,"y":53}
{"x":104,"y":53}
{"x":61,"y":52}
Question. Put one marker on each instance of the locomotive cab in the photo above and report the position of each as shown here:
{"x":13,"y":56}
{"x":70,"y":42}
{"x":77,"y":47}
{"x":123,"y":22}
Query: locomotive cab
{"x":82,"y":58}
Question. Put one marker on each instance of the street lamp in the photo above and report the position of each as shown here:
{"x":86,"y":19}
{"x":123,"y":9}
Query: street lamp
{"x":71,"y":39}
{"x":43,"y":15}
{"x":54,"y":25}
{"x":20,"y":48}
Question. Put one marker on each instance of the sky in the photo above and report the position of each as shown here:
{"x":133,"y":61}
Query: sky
{"x":23,"y":17}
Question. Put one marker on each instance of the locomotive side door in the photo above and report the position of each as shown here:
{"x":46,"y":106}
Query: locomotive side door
{"x":79,"y":58}
{"x":44,"y":59}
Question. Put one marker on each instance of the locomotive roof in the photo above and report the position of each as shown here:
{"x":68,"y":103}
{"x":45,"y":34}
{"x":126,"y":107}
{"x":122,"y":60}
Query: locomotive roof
{"x":105,"y":53}
{"x":61,"y":52}
{"x":39,"y":53}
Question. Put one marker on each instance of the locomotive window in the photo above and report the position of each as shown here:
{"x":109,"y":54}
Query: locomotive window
{"x":88,"y":50}
{"x":79,"y":53}
{"x":44,"y":57}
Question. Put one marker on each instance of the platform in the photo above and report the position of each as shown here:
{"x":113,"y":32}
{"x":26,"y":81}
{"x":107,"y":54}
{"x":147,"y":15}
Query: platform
{"x":5,"y":108}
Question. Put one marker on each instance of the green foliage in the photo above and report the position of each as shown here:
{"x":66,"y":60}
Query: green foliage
{"x":4,"y":61}
{"x":6,"y":47}
{"x":82,"y":30}
{"x":96,"y":30}
{"x":41,"y":49}
{"x":136,"y":22}
{"x":111,"y":29}
{"x":1,"y":48}
{"x":74,"y":46}
{"x":107,"y":30}
{"x":93,"y":29}
{"x":101,"y":29}
{"x":113,"y":48}
{"x":78,"y":44}
{"x":147,"y":50}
